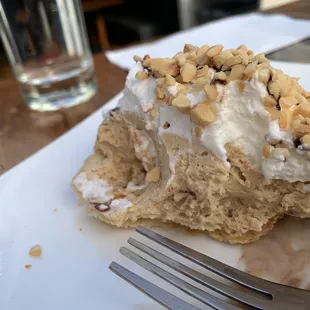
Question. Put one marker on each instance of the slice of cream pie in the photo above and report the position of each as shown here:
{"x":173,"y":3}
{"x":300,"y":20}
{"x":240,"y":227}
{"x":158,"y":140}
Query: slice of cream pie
{"x":211,"y":139}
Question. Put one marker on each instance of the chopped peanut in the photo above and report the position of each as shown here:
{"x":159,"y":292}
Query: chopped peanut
{"x":236,"y":72}
{"x":202,"y":50}
{"x":200,"y":83}
{"x":180,"y":59}
{"x":182,"y":89}
{"x":220,"y":76}
{"x":137,"y":58}
{"x":275,"y":114}
{"x":220,"y":59}
{"x":299,"y":127}
{"x":146,"y":62}
{"x":191,"y":56}
{"x":203,"y":60}
{"x":250,"y":69}
{"x":181,"y":102}
{"x":261,"y":58}
{"x":211,"y":92}
{"x":170,"y":81}
{"x":142,"y":75}
{"x":235,"y":60}
{"x":304,"y":109}
{"x":179,"y":79}
{"x":270,"y":102}
{"x":301,"y":99}
{"x":274,"y":89}
{"x":300,"y":118}
{"x":202,"y":114}
{"x":264,"y":75}
{"x":164,"y":66}
{"x":161,"y":81}
{"x":203,"y":71}
{"x":283,"y":122}
{"x":214,"y":50}
{"x":242,"y":48}
{"x":189,"y":48}
{"x":245,"y":59}
{"x":287,"y":102}
{"x":188,"y":72}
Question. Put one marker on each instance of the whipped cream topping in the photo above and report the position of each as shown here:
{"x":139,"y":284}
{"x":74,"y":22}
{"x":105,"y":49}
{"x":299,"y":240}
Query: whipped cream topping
{"x":241,"y":120}
{"x":292,"y":168}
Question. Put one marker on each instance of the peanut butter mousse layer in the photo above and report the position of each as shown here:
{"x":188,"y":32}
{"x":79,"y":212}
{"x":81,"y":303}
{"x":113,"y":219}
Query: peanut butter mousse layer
{"x":212,"y":139}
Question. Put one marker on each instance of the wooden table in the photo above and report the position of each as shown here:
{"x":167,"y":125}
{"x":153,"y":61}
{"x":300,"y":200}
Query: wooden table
{"x":23,"y":132}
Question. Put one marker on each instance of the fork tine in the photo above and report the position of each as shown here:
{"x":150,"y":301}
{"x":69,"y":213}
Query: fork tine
{"x":209,"y":263}
{"x":158,"y":294}
{"x":217,"y":286}
{"x":187,"y":288}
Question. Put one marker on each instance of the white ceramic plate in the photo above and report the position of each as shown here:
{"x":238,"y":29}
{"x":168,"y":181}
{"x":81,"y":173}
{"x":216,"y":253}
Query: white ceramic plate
{"x":37,"y":206}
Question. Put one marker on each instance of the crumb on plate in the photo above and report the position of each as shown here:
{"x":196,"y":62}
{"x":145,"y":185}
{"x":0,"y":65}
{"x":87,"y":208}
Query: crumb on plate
{"x":35,"y":251}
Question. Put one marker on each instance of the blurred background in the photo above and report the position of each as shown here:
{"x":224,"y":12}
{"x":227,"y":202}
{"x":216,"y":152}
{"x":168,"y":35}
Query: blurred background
{"x":113,"y":24}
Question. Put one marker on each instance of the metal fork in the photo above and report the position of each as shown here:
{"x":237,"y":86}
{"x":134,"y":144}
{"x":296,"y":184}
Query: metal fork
{"x":254,"y":292}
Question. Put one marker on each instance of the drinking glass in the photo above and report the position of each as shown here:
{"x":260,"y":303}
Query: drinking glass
{"x":47,"y":46}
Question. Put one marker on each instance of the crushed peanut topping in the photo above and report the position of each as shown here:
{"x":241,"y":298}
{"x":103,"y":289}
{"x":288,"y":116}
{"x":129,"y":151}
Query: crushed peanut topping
{"x":198,"y":69}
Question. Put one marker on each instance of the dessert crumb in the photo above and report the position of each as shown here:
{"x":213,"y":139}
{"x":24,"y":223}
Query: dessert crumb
{"x":55,"y":210}
{"x":28,"y":266}
{"x":35,"y":251}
